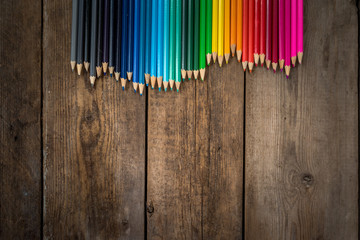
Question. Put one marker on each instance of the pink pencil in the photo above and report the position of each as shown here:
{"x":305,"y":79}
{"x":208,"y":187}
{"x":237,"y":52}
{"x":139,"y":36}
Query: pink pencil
{"x":300,"y":27}
{"x":287,"y":37}
{"x":275,"y":35}
{"x":268,"y":32}
{"x":293,"y":32}
{"x":281,"y":34}
{"x":257,"y":32}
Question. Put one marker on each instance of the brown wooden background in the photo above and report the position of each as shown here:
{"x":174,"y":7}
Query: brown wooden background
{"x":238,"y":156}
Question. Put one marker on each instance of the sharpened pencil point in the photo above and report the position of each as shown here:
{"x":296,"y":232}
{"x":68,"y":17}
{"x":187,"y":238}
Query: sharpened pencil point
{"x":152,"y":87}
{"x":177,"y":90}
{"x":262,"y":64}
{"x":287,"y":77}
{"x":147,"y":84}
{"x":104,"y":73}
{"x":159,"y":89}
{"x":140,"y":94}
{"x":256,"y":65}
{"x":171,"y":89}
{"x":274,"y":71}
{"x":281,"y":69}
{"x":123,"y":88}
{"x":165,"y":89}
{"x":111,"y":75}
{"x":250,"y":70}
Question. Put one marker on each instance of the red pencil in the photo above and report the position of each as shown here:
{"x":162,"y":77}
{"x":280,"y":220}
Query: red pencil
{"x":268,"y":32}
{"x":257,"y":32}
{"x":251,"y":33}
{"x":262,"y":31}
{"x":275,"y":35}
{"x":245,"y":53}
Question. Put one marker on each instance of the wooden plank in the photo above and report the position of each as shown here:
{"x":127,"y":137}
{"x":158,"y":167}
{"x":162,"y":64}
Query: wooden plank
{"x":301,"y":179}
{"x":94,"y":146}
{"x":20,"y":115}
{"x":195,"y":182}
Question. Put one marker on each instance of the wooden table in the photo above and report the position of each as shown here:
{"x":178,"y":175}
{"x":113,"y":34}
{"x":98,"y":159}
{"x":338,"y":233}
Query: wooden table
{"x":238,"y":156}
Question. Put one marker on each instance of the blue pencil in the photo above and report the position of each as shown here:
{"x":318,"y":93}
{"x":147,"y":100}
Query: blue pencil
{"x":154,"y":31}
{"x":124,"y":47}
{"x":166,"y":44}
{"x":142,"y":47}
{"x":160,"y":40}
{"x":117,"y":49}
{"x":136,"y":44}
{"x":147,"y":42}
{"x":130,"y":39}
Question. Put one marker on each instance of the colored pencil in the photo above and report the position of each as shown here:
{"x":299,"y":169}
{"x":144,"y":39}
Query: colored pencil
{"x":190,"y":38}
{"x":130,"y":41}
{"x":300,"y":30}
{"x":80,"y":37}
{"x":268,"y":32}
{"x":251,"y":33}
{"x":142,"y":47}
{"x":262,"y":31}
{"x":74,"y":30}
{"x":257,"y":32}
{"x":136,"y":51}
{"x":100,"y":38}
{"x":208,"y":33}
{"x":233,"y":26}
{"x":94,"y":14}
{"x":275,"y":25}
{"x":221,"y":32}
{"x":105,"y":60}
{"x":202,"y":42}
{"x":239,"y":30}
{"x":184,"y":32}
{"x":154,"y":32}
{"x":172,"y":41}
{"x":281,"y":34}
{"x":178,"y":43}
{"x":166,"y":44}
{"x":196,"y":37}
{"x":124,"y":41}
{"x":293,"y":32}
{"x":87,"y":26}
{"x":112,"y":34}
{"x":227,"y":39}
{"x":160,"y":44}
{"x":287,"y":37}
{"x":147,"y":41}
{"x":215,"y":28}
{"x":245,"y":54}
{"x":118,"y":51}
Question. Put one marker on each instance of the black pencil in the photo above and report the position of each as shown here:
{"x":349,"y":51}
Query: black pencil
{"x":74,"y":26}
{"x":87,"y":24}
{"x":105,"y":61}
{"x":112,"y":31}
{"x":80,"y":38}
{"x":118,"y":42}
{"x":93,"y":50}
{"x":99,"y":38}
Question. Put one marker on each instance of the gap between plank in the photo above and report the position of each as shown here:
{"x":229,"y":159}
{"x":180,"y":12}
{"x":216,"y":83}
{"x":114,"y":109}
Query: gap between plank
{"x":146,"y":159}
{"x":243,"y":190}
{"x":42,"y":124}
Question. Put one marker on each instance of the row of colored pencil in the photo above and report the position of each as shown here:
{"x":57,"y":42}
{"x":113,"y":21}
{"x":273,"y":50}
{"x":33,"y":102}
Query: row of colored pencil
{"x":149,"y":41}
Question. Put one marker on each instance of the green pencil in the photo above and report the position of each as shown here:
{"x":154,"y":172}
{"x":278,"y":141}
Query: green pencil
{"x":196,"y":37}
{"x":202,"y":55}
{"x":172,"y":44}
{"x":178,"y":43}
{"x":208,"y":34}
{"x":190,"y":41}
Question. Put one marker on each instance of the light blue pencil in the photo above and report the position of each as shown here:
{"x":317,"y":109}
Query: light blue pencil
{"x":148,"y":41}
{"x":136,"y":49}
{"x":166,"y":44}
{"x":154,"y":32}
{"x":141,"y":47}
{"x":160,"y":50}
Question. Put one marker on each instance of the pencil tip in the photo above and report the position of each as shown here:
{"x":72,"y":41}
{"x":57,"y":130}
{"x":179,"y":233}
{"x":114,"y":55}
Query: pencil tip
{"x":159,"y":89}
{"x":140,"y":94}
{"x":262,"y":64}
{"x":268,"y":68}
{"x":227,"y":62}
{"x":281,"y":70}
{"x":177,"y":90}
{"x":123,"y":88}
{"x":147,"y":84}
{"x":110,"y":74}
{"x":104,"y":73}
{"x":255,"y":64}
{"x":287,"y":77}
{"x":134,"y":90}
{"x":250,"y":70}
{"x":274,"y":71}
{"x":152,"y":87}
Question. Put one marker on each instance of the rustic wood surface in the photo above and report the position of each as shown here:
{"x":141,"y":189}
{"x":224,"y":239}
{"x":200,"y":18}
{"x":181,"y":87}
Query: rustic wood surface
{"x":195,"y":158}
{"x":20,"y":119}
{"x":114,"y":165}
{"x":301,"y":172}
{"x":94,"y":146}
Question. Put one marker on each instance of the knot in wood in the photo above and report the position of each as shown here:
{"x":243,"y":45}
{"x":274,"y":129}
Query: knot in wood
{"x":307,"y":179}
{"x":150,"y":208}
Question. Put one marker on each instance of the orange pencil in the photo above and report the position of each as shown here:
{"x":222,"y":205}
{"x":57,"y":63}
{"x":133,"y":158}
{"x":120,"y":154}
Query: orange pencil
{"x":233,"y":27}
{"x":239,"y":29}
{"x":245,"y":46}
{"x":227,"y":31}
{"x":251,"y":33}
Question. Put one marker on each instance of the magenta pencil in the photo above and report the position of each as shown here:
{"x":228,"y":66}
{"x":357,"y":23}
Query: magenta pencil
{"x":293,"y":32}
{"x":257,"y":32}
{"x":287,"y":37}
{"x":300,"y":28}
{"x":275,"y":18}
{"x":281,"y":34}
{"x":268,"y":32}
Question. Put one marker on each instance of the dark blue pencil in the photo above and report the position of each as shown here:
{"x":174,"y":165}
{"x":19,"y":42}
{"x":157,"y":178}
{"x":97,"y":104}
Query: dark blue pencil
{"x":148,"y":41}
{"x":130,"y":39}
{"x":112,"y":33}
{"x":80,"y":37}
{"x":105,"y":60}
{"x":124,"y":46}
{"x":93,"y":49}
{"x":136,"y":44}
{"x":87,"y":34}
{"x":117,"y":54}
{"x":99,"y":38}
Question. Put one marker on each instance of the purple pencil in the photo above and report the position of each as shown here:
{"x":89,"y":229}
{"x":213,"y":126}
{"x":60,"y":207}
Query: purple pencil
{"x":275,"y":19}
{"x":300,"y":32}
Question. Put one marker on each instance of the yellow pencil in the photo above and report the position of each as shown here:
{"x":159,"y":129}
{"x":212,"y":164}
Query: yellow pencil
{"x":221,"y":32}
{"x":214,"y":34}
{"x":227,"y":31}
{"x":239,"y":35}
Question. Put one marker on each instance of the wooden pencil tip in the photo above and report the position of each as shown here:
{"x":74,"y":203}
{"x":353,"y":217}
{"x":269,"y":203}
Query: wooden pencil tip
{"x":73,"y":63}
{"x":79,"y":68}
{"x":86,"y":65}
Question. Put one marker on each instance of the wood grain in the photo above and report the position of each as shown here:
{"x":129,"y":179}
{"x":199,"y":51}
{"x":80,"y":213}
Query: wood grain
{"x":94,"y":146}
{"x":20,"y":127}
{"x":195,"y":158}
{"x":301,"y":155}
